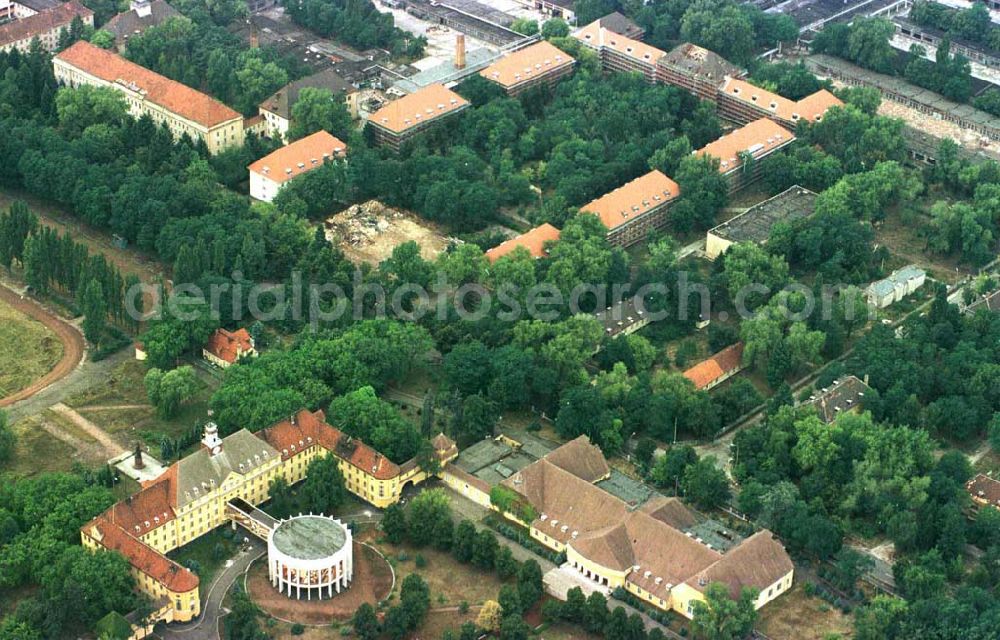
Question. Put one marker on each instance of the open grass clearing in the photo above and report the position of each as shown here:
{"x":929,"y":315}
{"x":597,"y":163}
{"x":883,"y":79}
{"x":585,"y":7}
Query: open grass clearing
{"x":799,"y":616}
{"x":119,"y":406}
{"x":450,"y":581}
{"x":28,"y":350}
{"x":37,"y":451}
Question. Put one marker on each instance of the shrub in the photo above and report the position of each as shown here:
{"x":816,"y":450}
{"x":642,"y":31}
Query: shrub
{"x":420,"y":561}
{"x":403,"y":556}
{"x":298,"y":629}
{"x":463,"y":607}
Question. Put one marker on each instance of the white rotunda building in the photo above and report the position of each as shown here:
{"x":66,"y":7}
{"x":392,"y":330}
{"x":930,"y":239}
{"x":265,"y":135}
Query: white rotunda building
{"x":310,"y":554}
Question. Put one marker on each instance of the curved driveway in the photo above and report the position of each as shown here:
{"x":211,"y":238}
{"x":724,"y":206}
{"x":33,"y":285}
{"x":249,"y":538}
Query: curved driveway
{"x":206,"y":627}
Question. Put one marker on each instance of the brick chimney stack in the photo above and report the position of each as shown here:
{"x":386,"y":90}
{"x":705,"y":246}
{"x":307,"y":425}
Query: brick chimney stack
{"x":460,"y":51}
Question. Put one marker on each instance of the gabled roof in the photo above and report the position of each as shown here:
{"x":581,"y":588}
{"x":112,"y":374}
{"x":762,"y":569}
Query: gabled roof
{"x":141,"y":556}
{"x":622,"y":25}
{"x":299,"y":157}
{"x":42,"y":22}
{"x":670,"y":511}
{"x":304,"y":428}
{"x":581,"y":458}
{"x":169,"y":94}
{"x":201,"y":472}
{"x":228,"y":345}
{"x":758,"y":138}
{"x":527,"y":64}
{"x":758,"y":562}
{"x":990,"y":302}
{"x":633,"y":199}
{"x":810,"y":108}
{"x":150,"y":507}
{"x":429,"y":103}
{"x":700,"y":63}
{"x":534,"y":241}
{"x":128,"y":23}
{"x":843,"y":395}
{"x":708,"y":371}
{"x":281,"y":101}
{"x":600,"y":37}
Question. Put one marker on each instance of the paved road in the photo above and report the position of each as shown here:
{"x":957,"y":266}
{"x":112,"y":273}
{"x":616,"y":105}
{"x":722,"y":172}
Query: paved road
{"x":82,"y":378}
{"x":206,"y":627}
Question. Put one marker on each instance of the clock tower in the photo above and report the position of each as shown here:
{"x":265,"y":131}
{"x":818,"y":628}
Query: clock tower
{"x":211,"y":440}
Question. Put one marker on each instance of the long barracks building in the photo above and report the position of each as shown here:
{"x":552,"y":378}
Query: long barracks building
{"x":741,"y":153}
{"x":634,"y":209}
{"x":203,"y":491}
{"x":405,"y":117}
{"x":183,"y":109}
{"x":704,"y":74}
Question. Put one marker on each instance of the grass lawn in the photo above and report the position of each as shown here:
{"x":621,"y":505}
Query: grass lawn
{"x":36,"y":451}
{"x":798,"y":616}
{"x":28,"y":350}
{"x":902,"y":232}
{"x":119,"y":406}
{"x":566,"y":632}
{"x":450,"y":581}
{"x":209,"y":559}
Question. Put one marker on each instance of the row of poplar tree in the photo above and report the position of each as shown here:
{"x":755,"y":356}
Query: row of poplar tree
{"x":54,"y":263}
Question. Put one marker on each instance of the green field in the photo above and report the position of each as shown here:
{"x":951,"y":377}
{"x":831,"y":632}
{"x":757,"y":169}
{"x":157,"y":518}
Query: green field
{"x":28,"y":350}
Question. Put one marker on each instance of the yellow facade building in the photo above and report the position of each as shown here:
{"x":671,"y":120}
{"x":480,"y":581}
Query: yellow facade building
{"x":192,"y":497}
{"x":181,"y":108}
{"x":647,"y":550}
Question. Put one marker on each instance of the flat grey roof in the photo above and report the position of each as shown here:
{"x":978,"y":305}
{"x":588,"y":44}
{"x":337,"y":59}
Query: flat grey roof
{"x":631,"y":491}
{"x":754,"y":224}
{"x":482,"y":454}
{"x":309,"y":537}
{"x":902,"y":88}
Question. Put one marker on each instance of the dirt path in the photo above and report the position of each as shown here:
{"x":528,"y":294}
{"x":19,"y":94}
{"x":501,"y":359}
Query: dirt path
{"x":72,"y":340}
{"x":86,"y":451}
{"x":115,"y":407}
{"x":112,"y":448}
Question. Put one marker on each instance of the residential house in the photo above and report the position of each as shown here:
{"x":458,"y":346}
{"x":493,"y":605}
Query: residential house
{"x":695,"y":69}
{"x":742,"y":102}
{"x":224,"y":348}
{"x":277,"y":109}
{"x":619,"y":53}
{"x":142,"y":14}
{"x":712,"y":372}
{"x":269,"y":174}
{"x":897,"y":286}
{"x":536,"y":242}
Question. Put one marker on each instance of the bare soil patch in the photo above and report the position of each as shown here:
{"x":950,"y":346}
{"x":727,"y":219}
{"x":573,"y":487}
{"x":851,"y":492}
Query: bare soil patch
{"x":372,"y":582}
{"x":368,"y":232}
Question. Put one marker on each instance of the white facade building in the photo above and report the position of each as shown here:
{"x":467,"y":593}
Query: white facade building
{"x":310,"y":554}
